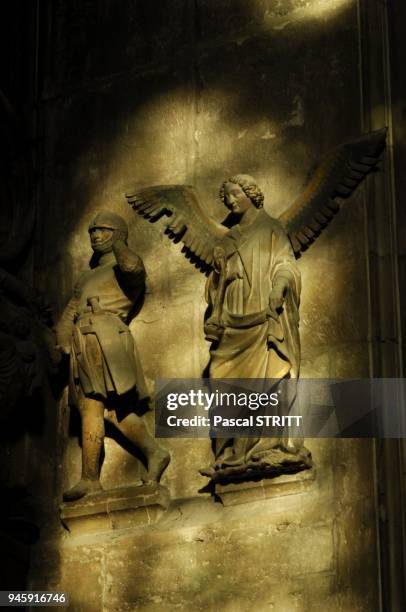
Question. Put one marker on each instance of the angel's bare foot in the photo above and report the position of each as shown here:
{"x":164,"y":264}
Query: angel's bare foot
{"x":84,"y":487}
{"x":157,"y":464}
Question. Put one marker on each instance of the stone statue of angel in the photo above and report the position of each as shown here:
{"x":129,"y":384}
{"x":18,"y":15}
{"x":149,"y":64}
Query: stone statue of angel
{"x":253,"y":286}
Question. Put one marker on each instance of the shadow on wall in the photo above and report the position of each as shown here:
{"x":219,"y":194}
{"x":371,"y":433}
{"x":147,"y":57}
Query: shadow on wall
{"x":224,"y":103}
{"x":248,"y":88}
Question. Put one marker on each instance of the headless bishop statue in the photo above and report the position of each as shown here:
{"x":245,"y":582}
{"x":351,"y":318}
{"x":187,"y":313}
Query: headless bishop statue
{"x":106,"y":377}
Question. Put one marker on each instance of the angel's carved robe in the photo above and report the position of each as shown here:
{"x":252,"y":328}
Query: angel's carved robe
{"x":257,"y":254}
{"x":255,"y":343}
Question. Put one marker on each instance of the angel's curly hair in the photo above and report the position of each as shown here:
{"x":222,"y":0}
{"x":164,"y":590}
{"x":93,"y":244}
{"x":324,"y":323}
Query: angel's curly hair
{"x":249,"y":187}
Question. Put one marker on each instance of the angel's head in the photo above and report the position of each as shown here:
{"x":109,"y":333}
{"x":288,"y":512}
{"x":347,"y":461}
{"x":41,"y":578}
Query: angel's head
{"x":240,"y":192}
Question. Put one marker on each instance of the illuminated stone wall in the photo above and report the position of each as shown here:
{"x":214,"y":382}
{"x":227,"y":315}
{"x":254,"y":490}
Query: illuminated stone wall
{"x":139,"y":93}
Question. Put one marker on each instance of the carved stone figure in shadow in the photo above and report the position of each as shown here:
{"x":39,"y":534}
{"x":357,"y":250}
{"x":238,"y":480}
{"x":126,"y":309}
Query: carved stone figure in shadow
{"x":106,"y":377}
{"x":253,"y":289}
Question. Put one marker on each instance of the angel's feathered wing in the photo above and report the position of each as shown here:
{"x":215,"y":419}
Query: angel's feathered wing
{"x":336,"y":178}
{"x":187,"y":221}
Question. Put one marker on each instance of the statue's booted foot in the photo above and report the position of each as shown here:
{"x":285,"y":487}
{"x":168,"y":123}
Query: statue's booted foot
{"x":157,"y":464}
{"x":84,"y":487}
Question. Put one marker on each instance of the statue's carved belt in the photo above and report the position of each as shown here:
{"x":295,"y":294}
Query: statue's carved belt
{"x":92,"y":322}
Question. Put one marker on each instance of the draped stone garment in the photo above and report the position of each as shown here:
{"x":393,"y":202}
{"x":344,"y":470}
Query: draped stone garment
{"x":256,"y":343}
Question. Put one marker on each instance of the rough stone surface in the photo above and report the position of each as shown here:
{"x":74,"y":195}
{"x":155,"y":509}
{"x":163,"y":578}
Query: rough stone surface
{"x":242,"y":493}
{"x":124,"y":508}
{"x":138,"y":93}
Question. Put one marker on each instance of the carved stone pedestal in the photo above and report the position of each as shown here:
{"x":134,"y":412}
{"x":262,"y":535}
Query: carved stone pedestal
{"x":241,"y":493}
{"x":123,"y":508}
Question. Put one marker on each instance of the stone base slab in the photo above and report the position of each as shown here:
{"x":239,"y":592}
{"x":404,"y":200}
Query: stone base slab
{"x":245,"y":492}
{"x":123,"y":508}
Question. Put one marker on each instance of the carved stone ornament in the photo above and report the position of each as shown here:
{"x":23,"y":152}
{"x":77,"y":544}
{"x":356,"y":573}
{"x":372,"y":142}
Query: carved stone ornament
{"x":253,"y":287}
{"x":106,"y":377}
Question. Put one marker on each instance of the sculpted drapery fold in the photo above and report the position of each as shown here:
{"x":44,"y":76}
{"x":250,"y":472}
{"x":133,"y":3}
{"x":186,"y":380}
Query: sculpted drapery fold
{"x":257,"y":343}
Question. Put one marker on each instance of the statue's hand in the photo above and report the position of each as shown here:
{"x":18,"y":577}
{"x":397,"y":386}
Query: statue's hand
{"x":219,"y":259}
{"x":275,"y":301}
{"x":63,"y":349}
{"x":277,"y":296}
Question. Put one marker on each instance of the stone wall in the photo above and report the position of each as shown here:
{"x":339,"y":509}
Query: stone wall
{"x":143,"y":93}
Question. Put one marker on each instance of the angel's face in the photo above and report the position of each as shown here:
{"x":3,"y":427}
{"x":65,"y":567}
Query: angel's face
{"x":235,"y":199}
